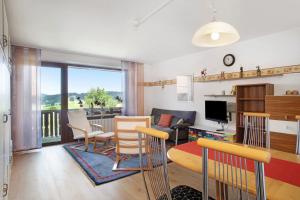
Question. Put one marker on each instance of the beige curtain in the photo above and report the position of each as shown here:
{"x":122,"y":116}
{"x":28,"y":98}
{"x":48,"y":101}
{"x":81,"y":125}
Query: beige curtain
{"x":26,"y":115}
{"x":133,"y":89}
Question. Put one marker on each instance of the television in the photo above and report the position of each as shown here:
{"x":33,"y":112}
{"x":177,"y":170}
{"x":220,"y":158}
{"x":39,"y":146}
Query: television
{"x":216,"y":111}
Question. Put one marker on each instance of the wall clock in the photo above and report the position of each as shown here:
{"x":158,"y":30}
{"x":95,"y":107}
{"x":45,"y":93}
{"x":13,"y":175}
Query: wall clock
{"x":229,"y":60}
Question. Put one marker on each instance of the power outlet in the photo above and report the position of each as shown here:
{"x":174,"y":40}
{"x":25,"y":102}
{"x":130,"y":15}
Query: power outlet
{"x":291,"y":128}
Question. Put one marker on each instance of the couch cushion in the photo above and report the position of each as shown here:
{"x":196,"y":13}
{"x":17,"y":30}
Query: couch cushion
{"x":165,"y":120}
{"x":164,"y":129}
{"x":155,"y":119}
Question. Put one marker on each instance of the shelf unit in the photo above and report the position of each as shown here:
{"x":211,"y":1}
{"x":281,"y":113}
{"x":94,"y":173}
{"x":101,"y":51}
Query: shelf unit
{"x":250,"y":98}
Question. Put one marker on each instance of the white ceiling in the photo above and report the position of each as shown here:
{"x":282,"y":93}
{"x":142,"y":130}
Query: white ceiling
{"x":104,"y":27}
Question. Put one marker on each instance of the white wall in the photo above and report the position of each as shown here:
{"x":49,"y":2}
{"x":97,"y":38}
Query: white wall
{"x":74,"y":58}
{"x":278,"y":49}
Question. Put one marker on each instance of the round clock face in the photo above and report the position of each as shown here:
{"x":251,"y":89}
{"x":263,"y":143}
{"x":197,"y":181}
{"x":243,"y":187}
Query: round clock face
{"x":228,"y":60}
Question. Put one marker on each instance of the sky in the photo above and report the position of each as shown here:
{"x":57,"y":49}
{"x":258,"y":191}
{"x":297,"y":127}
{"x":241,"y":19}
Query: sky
{"x":80,"y":80}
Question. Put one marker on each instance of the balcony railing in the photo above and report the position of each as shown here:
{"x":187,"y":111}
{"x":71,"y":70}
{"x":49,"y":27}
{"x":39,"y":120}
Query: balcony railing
{"x":50,"y":123}
{"x":51,"y":126}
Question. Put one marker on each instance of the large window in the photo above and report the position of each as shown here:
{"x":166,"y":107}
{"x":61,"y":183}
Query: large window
{"x":93,"y":88}
{"x":67,"y":87}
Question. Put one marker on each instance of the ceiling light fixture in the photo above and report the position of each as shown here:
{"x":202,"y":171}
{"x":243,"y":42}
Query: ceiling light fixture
{"x":138,"y":22}
{"x":216,"y":33}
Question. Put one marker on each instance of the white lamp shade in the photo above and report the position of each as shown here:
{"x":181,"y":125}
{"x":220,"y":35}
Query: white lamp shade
{"x":215,"y":34}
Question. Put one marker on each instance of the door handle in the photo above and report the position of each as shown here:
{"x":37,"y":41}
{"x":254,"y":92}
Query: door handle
{"x":4,"y":40}
{"x":5,"y":118}
{"x":5,"y":189}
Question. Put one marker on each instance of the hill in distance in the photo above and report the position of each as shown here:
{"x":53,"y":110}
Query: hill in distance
{"x":55,"y":98}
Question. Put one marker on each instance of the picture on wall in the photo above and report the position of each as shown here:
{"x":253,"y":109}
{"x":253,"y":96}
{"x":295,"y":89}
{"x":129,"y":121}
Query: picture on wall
{"x":185,"y":88}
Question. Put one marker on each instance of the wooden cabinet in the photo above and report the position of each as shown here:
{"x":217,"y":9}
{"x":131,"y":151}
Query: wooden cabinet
{"x":250,"y":98}
{"x":283,"y":108}
{"x":283,"y":142}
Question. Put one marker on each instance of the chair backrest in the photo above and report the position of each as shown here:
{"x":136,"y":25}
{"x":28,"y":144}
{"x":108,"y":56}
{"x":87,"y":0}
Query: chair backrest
{"x":227,"y":164}
{"x":256,"y":129}
{"x":78,"y":119}
{"x":298,"y":135}
{"x":153,"y":163}
{"x":126,"y":136}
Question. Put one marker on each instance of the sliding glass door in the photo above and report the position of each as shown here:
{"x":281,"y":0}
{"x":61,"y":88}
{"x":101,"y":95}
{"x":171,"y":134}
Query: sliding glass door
{"x":50,"y":104}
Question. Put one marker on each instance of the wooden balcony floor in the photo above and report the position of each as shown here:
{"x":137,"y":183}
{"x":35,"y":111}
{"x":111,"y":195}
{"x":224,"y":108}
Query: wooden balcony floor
{"x":51,"y":139}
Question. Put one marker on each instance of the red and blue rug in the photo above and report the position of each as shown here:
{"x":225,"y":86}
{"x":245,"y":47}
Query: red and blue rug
{"x":98,"y":166}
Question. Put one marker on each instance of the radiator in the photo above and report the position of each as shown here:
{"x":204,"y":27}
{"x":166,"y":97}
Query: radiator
{"x":107,"y":123}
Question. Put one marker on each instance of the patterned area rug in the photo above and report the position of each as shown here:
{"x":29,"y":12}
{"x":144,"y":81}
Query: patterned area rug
{"x":98,"y":166}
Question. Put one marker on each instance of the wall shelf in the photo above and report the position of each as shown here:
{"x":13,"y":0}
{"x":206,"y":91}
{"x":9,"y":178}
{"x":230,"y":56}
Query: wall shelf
{"x":248,"y":74}
{"x":251,"y":99}
{"x":219,"y":95}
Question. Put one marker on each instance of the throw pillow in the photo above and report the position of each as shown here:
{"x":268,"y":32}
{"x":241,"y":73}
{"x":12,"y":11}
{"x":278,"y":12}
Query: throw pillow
{"x":165,"y":120}
{"x":176,"y":121}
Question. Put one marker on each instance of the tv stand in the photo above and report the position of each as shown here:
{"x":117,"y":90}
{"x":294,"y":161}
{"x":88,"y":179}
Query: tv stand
{"x":222,"y":129}
{"x":196,"y":132}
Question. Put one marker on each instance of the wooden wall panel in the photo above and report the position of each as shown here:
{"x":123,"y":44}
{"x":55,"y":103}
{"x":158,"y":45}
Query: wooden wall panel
{"x":283,"y":142}
{"x":283,"y":107}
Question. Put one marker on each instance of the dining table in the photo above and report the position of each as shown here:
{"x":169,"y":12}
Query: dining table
{"x":282,"y":174}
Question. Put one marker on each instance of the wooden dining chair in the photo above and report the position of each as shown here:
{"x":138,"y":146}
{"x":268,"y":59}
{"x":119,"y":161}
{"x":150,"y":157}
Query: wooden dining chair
{"x":256,"y":129}
{"x":233,"y":167}
{"x":298,"y":135}
{"x":153,"y":164}
{"x":126,"y":138}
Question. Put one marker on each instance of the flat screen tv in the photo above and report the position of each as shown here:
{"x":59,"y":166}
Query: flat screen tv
{"x":216,"y":111}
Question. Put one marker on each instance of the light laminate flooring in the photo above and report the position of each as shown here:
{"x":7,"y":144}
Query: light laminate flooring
{"x":51,"y":174}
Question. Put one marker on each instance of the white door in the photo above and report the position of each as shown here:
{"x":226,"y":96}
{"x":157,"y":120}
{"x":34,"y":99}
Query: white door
{"x":3,"y":74}
{"x":7,"y":130}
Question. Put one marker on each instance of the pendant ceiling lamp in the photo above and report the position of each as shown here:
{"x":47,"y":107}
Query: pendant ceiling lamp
{"x":215,"y":34}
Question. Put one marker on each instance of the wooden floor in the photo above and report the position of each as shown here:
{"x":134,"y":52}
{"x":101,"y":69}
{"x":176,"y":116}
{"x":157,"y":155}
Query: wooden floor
{"x":51,"y":173}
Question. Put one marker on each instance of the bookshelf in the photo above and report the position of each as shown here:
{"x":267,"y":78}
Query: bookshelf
{"x":250,"y":98}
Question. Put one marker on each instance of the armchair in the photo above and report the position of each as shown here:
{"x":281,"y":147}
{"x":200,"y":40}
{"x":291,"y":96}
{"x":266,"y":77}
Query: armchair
{"x":82,"y":129}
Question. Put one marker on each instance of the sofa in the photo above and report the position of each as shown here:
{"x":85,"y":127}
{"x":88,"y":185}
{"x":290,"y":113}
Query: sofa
{"x":177,"y":131}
